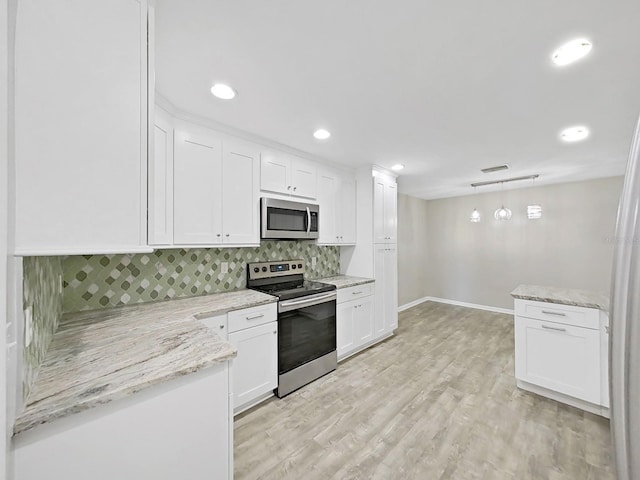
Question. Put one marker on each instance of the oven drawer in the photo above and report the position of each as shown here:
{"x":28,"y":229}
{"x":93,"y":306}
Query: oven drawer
{"x":553,"y":312}
{"x":251,"y":317}
{"x":354,"y":293}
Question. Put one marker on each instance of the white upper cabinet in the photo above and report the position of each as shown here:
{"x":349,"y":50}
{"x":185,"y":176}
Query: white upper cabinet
{"x":197,"y":185}
{"x":337,"y":200}
{"x":161,"y":181}
{"x":209,"y":188}
{"x":287,"y":174}
{"x":81,"y":126}
{"x":385,"y":210}
{"x":240,"y":199}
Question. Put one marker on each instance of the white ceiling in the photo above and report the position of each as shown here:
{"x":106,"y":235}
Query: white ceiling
{"x":445,"y":87}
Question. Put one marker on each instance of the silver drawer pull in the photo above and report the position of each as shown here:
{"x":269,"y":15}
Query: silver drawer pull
{"x":559,"y":314}
{"x":255,"y":316}
{"x":356,"y":293}
{"x":557,"y":329}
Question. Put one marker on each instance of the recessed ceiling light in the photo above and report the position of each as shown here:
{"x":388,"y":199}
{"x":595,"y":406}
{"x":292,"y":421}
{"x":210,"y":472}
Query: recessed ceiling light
{"x":397,"y":167}
{"x":571,"y":51}
{"x":222,"y":91}
{"x":321,"y":134}
{"x":574,"y":134}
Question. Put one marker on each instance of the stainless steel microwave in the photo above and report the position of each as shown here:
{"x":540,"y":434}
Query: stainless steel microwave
{"x":284,"y":219}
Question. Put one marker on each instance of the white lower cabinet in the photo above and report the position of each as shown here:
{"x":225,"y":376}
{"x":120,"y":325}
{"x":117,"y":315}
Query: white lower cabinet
{"x":160,"y":433}
{"x":560,"y":353}
{"x":386,"y":298}
{"x":255,"y":369}
{"x":354,"y":322}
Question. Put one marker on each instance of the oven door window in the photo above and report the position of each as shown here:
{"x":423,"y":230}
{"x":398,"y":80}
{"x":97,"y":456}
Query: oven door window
{"x":305,"y":334}
{"x":286,"y":220}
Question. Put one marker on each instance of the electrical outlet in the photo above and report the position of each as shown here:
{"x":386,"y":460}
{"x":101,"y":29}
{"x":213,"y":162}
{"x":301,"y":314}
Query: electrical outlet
{"x":224,"y":267}
{"x":28,"y":327}
{"x":313,"y":262}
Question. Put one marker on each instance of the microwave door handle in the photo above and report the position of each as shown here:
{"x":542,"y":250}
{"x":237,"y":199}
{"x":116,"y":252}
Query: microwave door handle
{"x":308,"y":221}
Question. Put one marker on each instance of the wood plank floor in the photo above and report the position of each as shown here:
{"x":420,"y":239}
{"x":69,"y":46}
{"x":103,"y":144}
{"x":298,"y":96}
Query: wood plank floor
{"x":436,"y":401}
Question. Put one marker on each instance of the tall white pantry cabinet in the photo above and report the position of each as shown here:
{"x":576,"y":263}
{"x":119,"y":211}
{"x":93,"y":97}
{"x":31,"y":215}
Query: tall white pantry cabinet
{"x":376,"y":253}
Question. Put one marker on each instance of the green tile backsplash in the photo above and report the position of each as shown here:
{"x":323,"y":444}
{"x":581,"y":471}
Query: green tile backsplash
{"x":101,"y":281}
{"x":42,"y":296}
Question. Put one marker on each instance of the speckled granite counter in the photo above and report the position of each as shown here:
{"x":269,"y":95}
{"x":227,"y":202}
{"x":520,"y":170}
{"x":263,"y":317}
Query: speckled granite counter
{"x":564,"y":296}
{"x":102,"y":355}
{"x":345,"y":281}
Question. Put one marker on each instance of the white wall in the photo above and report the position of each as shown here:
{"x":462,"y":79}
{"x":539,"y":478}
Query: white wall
{"x":412,"y":247}
{"x":480,"y":263}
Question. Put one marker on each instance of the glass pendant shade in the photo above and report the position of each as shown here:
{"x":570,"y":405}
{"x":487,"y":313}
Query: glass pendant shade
{"x":475,"y":216}
{"x":502,"y":213}
{"x":534,"y":212}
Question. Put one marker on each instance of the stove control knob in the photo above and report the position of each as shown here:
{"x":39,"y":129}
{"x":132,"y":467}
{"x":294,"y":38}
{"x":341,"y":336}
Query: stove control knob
{"x":293,"y":266}
{"x":256,"y":269}
{"x":264,"y":269}
{"x":299,"y":265}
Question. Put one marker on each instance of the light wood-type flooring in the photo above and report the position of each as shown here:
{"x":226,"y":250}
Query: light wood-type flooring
{"x":436,"y":401}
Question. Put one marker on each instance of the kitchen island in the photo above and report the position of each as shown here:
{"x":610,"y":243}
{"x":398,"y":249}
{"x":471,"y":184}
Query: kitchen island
{"x":561,"y":345}
{"x":159,"y":380}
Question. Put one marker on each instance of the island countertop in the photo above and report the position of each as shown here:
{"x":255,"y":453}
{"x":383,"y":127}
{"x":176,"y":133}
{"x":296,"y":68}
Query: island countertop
{"x":345,"y":281}
{"x":563,"y":296}
{"x":101,"y":355}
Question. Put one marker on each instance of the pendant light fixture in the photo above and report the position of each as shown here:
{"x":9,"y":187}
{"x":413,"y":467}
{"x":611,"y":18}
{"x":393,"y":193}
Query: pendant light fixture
{"x":475,"y":215}
{"x":534,"y":211}
{"x":502,"y":213}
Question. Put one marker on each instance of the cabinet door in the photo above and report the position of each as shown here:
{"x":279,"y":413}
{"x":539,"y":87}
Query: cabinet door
{"x":275,"y":172}
{"x":255,"y":369}
{"x":197,"y":212}
{"x":391,"y":212}
{"x":327,"y":187}
{"x":379,"y":232}
{"x":161,"y":181}
{"x":391,"y":300}
{"x":345,"y":331}
{"x":304,"y":178}
{"x":240,"y":190}
{"x":81,"y":126}
{"x":559,"y":357}
{"x":381,"y":290}
{"x":364,"y":320}
{"x":347,"y":211}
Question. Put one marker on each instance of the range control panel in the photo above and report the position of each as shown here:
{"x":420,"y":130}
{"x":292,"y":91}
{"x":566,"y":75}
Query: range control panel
{"x":275,"y":269}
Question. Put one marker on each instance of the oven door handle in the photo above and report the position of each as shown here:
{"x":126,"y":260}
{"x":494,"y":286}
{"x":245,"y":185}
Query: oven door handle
{"x":308,"y":221}
{"x":309,"y":301}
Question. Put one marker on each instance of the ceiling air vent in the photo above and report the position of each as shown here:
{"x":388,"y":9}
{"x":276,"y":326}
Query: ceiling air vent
{"x":495,"y":169}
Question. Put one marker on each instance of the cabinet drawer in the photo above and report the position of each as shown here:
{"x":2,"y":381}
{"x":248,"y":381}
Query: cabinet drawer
{"x":554,"y":312}
{"x":251,"y":317}
{"x":562,"y":358}
{"x":353,"y":293}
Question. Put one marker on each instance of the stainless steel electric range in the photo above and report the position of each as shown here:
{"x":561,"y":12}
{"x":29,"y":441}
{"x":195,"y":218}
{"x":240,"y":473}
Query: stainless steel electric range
{"x":306,"y":321}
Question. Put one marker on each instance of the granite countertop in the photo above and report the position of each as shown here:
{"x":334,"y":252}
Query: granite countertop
{"x":101,"y":355}
{"x":345,"y":281}
{"x":564,"y":296}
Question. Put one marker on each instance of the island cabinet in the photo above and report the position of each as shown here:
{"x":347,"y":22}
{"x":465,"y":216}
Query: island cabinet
{"x":179,"y":429}
{"x":561,"y":353}
{"x":81,"y":127}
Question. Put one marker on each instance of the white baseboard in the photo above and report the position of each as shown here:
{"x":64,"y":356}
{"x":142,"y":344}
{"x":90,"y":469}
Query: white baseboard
{"x":407,"y":306}
{"x":457,"y":303}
